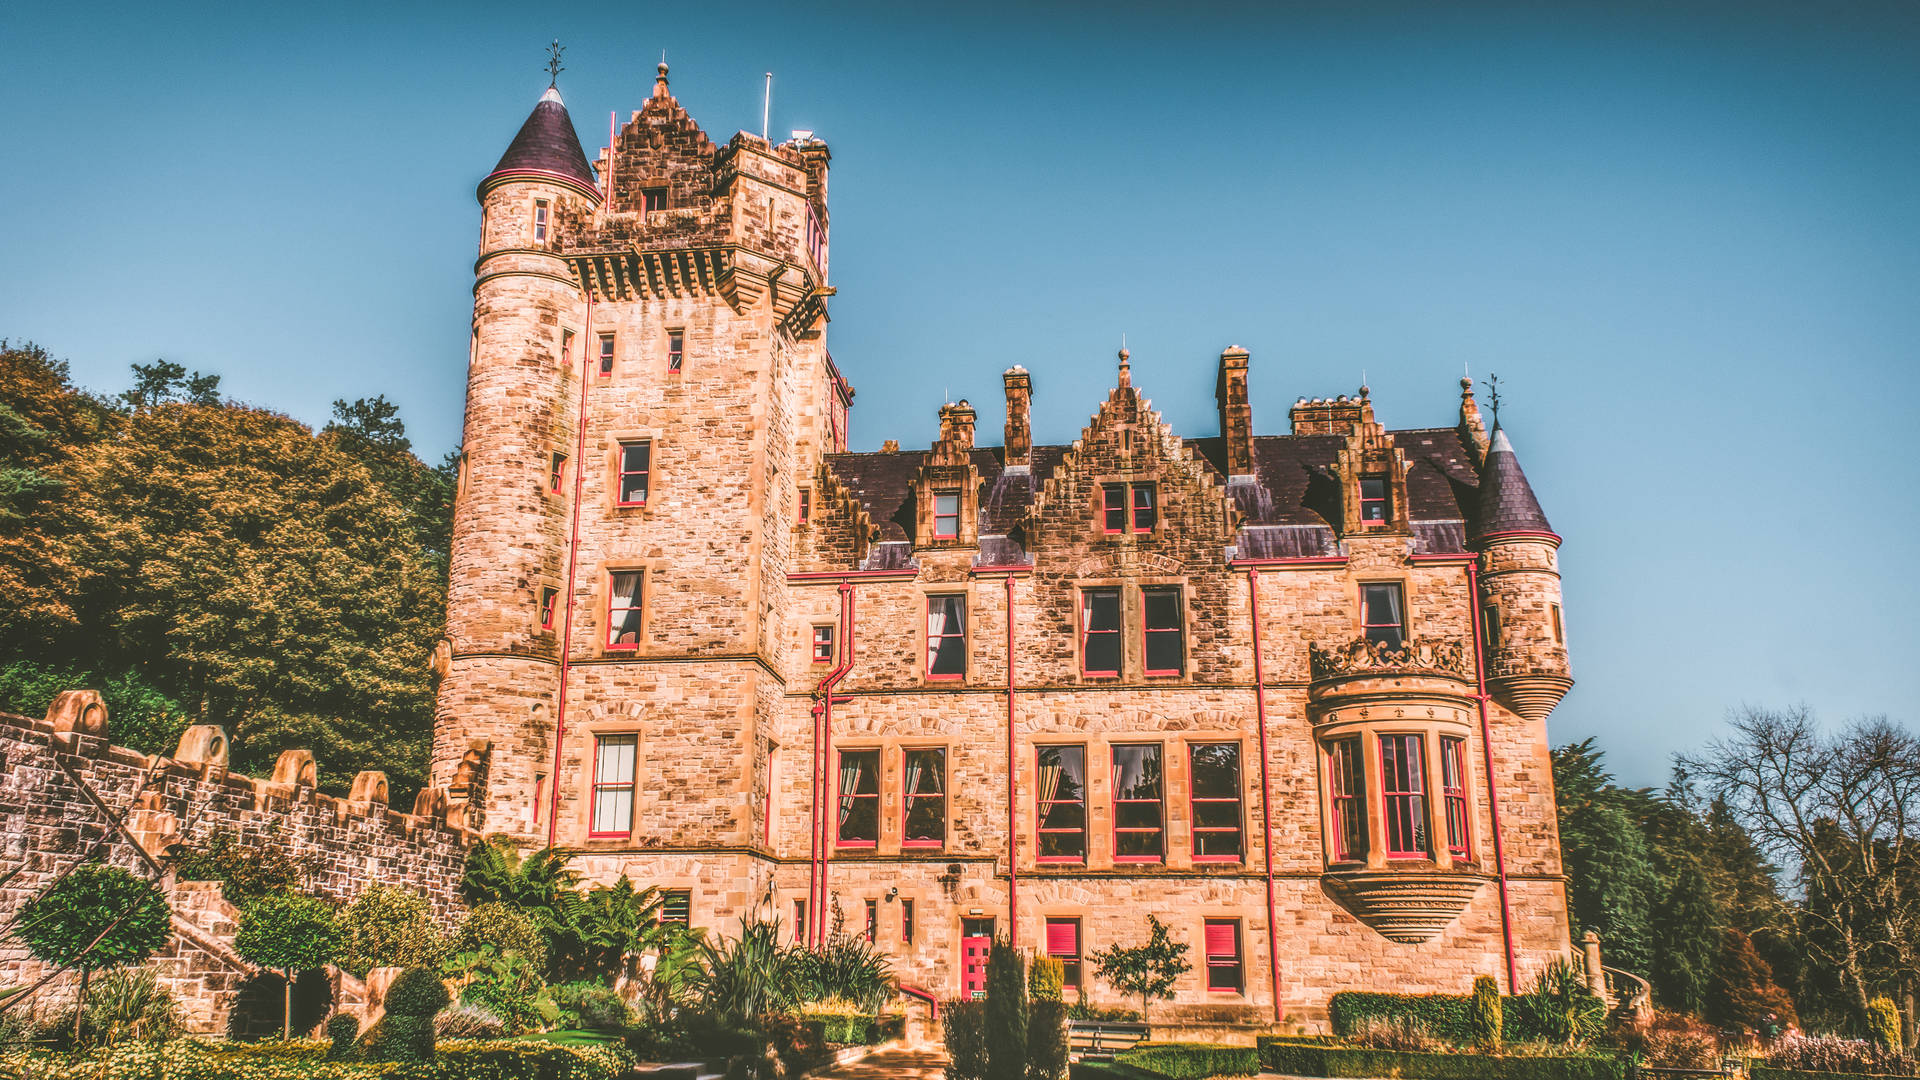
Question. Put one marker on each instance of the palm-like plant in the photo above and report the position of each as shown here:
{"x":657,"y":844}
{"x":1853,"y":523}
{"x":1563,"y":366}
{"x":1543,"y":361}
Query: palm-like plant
{"x":747,"y":978}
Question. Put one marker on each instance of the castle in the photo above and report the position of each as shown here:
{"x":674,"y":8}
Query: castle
{"x":1287,"y":693}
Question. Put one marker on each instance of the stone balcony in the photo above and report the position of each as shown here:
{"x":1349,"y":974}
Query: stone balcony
{"x":1405,"y":905}
{"x":1421,"y":671}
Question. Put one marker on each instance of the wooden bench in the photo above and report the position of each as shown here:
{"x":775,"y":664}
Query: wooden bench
{"x":1099,"y":1040}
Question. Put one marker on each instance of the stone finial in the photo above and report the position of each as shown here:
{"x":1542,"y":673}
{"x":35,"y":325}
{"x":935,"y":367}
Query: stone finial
{"x":78,"y":712}
{"x":660,"y":81}
{"x":369,"y":788}
{"x":1471,"y":427}
{"x":1236,"y":414}
{"x":296,"y":767}
{"x":1019,"y":440}
{"x":956,"y":424}
{"x":1126,"y":368}
{"x":203,"y":744}
{"x":890,"y":446}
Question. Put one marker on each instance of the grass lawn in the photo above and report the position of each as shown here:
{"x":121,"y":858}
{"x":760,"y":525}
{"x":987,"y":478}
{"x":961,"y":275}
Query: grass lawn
{"x":571,"y":1037}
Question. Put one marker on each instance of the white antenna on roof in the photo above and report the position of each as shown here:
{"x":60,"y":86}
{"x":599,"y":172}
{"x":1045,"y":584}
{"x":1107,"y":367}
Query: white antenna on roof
{"x":766,"y":106}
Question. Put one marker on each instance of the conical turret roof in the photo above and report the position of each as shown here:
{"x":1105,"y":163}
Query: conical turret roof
{"x":1507,"y":503}
{"x":546,"y":149}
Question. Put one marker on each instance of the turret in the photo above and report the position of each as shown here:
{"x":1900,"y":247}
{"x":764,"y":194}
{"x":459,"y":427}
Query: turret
{"x":530,"y":339}
{"x":1520,"y":587}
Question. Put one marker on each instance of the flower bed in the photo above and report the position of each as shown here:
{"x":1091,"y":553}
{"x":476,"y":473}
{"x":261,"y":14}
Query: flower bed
{"x":1191,"y":1061}
{"x":1319,"y":1059}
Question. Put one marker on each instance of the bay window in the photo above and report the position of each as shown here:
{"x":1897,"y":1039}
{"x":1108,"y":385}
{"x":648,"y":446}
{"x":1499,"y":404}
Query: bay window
{"x":1060,"y":803}
{"x":1453,"y":786}
{"x":1138,"y":813}
{"x":1214,"y":773}
{"x":1403,"y":796}
{"x":1347,"y":780}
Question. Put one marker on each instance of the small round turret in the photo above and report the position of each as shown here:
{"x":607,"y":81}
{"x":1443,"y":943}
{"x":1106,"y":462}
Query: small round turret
{"x":1520,"y":588}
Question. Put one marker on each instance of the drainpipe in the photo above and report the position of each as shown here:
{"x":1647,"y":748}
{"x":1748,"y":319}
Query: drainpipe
{"x":573,"y":555}
{"x":1266,"y":796}
{"x":1013,"y":847}
{"x":822,"y":754}
{"x":1486,"y":753}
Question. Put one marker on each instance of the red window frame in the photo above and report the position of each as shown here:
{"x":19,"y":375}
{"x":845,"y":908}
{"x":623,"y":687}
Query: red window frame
{"x":906,"y":921}
{"x":913,"y":793}
{"x":1148,"y":630}
{"x":799,"y":920}
{"x":1146,"y":508}
{"x":806,"y":505}
{"x":1044,"y":808}
{"x":1157,"y":832}
{"x":1113,"y":509}
{"x":1403,"y":794}
{"x":937,"y":640}
{"x":606,"y":788}
{"x":1063,"y":944}
{"x":873,"y":921}
{"x":1453,"y":788}
{"x":557,"y":476}
{"x":849,"y":801}
{"x":676,"y":350}
{"x":1381,"y":500}
{"x":1201,"y":834}
{"x":628,"y":466}
{"x":540,"y":212}
{"x":676,"y":906}
{"x":1226,"y":972}
{"x":1347,"y":784}
{"x":823,"y":643}
{"x":1490,"y":627}
{"x":606,"y":355}
{"x":548,"y":601}
{"x":1392,"y":635}
{"x":620,"y":606}
{"x":1087,"y":632}
{"x":566,"y":346}
{"x":946,"y":523}
{"x":653,"y":198}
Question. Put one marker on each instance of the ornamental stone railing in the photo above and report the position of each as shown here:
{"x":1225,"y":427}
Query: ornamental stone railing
{"x":1414,"y":656}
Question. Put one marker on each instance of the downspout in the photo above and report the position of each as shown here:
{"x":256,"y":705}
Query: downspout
{"x":1266,"y":796}
{"x":1013,"y":845}
{"x":822,"y":745}
{"x":573,"y":552}
{"x":1486,"y":754}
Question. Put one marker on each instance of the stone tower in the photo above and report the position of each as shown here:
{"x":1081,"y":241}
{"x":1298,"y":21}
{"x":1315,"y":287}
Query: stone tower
{"x":649,"y":389}
{"x":1520,"y":588}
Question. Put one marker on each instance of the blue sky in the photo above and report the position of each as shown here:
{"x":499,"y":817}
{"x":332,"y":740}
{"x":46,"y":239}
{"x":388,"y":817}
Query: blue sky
{"x":1686,"y":236}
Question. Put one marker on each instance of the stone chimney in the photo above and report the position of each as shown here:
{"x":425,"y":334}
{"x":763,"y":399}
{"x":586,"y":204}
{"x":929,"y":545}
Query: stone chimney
{"x":1019,"y":416}
{"x":1472,"y":429}
{"x":956,"y":424}
{"x":1236,"y":415}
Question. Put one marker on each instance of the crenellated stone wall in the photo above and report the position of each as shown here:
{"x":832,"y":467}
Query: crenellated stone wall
{"x":67,"y":794}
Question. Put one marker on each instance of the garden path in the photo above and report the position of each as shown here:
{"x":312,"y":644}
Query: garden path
{"x":893,"y":1065}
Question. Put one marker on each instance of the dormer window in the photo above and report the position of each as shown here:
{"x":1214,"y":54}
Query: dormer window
{"x":1375,"y":503}
{"x":1383,"y":614}
{"x":540,"y":221}
{"x":1128,"y":507}
{"x":946,"y":514}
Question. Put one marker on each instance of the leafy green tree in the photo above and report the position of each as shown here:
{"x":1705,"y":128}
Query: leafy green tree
{"x":246,"y":873}
{"x":1149,"y":970}
{"x":388,"y":926}
{"x":94,"y":918}
{"x":1611,"y":880}
{"x":288,"y":934}
{"x":144,"y":717}
{"x":164,"y":381}
{"x":1686,"y":939}
{"x":1006,"y":1013}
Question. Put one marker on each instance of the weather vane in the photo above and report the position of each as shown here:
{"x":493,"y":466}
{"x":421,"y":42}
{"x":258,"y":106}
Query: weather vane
{"x":1493,"y":397}
{"x":554,"y":66}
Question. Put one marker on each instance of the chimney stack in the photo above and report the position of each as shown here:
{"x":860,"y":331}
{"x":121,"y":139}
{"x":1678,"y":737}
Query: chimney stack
{"x":956,"y":424}
{"x":1236,"y":415}
{"x":1019,"y":416}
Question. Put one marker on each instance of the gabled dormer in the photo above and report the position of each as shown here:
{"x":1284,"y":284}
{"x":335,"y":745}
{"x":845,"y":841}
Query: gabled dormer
{"x":946,"y":491}
{"x":1369,"y":470}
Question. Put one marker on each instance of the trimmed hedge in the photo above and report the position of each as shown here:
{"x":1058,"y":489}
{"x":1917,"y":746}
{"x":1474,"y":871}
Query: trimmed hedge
{"x":855,"y":1029}
{"x":185,"y":1059}
{"x":1761,"y":1072}
{"x":1446,"y":1016}
{"x":1191,"y":1061}
{"x":1312,"y":1059}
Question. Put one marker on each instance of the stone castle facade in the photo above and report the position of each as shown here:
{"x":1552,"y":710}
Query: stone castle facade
{"x":1287,"y":693}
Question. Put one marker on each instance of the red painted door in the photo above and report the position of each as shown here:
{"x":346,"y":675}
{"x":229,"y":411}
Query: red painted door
{"x":976,"y":939}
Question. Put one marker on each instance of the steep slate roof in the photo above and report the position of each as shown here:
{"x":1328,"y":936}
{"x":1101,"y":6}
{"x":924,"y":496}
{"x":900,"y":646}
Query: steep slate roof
{"x":1286,"y":507}
{"x":1506,"y":502}
{"x":547,"y":144}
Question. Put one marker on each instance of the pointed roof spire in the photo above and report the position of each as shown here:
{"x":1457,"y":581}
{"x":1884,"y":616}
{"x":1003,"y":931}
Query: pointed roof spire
{"x":1126,"y":369}
{"x":1507,"y":503}
{"x":546,"y":149}
{"x":660,"y":78}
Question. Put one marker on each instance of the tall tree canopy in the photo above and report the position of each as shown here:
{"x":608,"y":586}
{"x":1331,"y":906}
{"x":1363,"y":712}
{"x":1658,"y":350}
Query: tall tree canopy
{"x":226,"y":560}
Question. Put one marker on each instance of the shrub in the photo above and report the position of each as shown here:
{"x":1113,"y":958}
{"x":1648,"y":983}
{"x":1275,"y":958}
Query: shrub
{"x":399,"y":1037}
{"x":592,"y":1005}
{"x":1484,"y":1014}
{"x":344,"y":1031}
{"x":1046,"y":1039}
{"x":1080,"y":1010}
{"x":1300,"y":1058}
{"x":245,"y":873}
{"x":504,"y":928}
{"x":130,"y":1006}
{"x":1006,"y":1013}
{"x":1404,"y":1033}
{"x":963,"y":1026}
{"x":508,"y":987}
{"x":465,"y":1021}
{"x":1564,"y":1007}
{"x":847,"y":966}
{"x":1833,"y":1054}
{"x":1883,"y":1023}
{"x":742,"y":980}
{"x":387,"y":926}
{"x":1046,"y":978}
{"x":1447,"y":1016}
{"x":1191,"y":1061}
{"x":1743,"y":993}
{"x":533,"y":1060}
{"x":417,"y":992}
